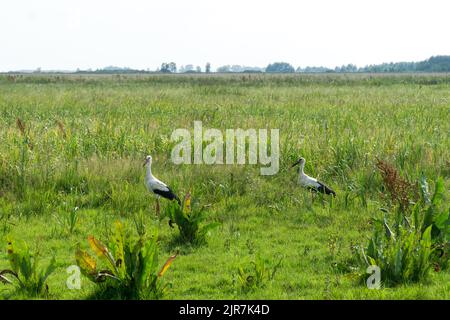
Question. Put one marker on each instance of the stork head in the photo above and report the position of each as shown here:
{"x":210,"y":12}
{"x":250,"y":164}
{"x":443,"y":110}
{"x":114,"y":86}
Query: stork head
{"x":300,"y":162}
{"x":148,"y":160}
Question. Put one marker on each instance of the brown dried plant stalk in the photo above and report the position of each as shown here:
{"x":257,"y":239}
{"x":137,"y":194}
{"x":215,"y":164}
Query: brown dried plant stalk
{"x":400,"y":190}
{"x":21,"y":126}
{"x":61,"y":128}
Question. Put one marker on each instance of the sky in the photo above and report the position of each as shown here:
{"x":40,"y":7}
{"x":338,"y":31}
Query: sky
{"x":141,"y":34}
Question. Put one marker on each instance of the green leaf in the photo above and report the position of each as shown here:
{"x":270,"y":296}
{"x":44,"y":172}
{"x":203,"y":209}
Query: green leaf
{"x":388,"y":230}
{"x":428,"y":218}
{"x":119,"y":247}
{"x":50,"y":269}
{"x":148,"y":259}
{"x":26,"y":265}
{"x":424,"y":190}
{"x":442,"y":220}
{"x":426,"y":237}
{"x":371,"y":249}
{"x":372,"y":261}
{"x":438,"y":195}
{"x":415,"y":214}
{"x":398,"y":261}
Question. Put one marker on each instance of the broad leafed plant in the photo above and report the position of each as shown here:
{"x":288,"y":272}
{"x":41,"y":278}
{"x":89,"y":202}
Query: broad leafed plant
{"x":132,"y":269}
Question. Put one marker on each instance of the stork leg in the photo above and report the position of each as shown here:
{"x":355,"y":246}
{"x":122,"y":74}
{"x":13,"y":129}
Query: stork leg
{"x":322,"y":199}
{"x":158,"y":209}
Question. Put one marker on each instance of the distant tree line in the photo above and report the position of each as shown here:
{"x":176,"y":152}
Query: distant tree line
{"x":433,"y":64}
{"x":281,"y":67}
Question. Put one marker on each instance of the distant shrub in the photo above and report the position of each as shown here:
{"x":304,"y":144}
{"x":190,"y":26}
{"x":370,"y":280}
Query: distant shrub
{"x":280,"y":67}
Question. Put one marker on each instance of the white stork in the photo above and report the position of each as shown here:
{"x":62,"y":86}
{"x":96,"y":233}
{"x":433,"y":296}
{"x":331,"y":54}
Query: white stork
{"x":311,"y":183}
{"x":156,"y":186}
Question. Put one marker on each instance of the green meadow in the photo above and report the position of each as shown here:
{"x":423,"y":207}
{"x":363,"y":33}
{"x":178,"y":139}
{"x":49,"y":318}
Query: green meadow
{"x":73,"y":166}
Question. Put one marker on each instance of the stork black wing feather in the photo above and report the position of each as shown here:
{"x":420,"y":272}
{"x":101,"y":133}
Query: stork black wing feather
{"x":167,"y":194}
{"x":323,"y":188}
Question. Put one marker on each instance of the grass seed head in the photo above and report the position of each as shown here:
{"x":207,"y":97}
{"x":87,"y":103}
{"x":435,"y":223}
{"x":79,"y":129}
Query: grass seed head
{"x":61,"y":128}
{"x":20,"y":125}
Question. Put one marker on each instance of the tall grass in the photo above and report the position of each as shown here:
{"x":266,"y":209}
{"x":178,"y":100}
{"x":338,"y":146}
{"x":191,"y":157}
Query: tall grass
{"x":82,"y":140}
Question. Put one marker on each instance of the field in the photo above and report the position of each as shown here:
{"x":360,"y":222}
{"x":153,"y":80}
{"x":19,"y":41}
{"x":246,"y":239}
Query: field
{"x":85,"y":139}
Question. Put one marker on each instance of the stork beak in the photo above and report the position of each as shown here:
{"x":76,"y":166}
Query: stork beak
{"x":145,"y":162}
{"x":296,"y":163}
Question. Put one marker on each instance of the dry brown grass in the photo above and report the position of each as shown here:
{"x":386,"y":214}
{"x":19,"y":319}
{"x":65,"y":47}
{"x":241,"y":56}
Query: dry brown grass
{"x":61,"y":128}
{"x":21,"y":126}
{"x":23,"y":130}
{"x":401,"y":191}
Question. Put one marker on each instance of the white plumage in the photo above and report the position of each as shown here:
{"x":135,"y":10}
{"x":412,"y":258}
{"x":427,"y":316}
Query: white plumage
{"x":155,"y":185}
{"x":309,"y":182}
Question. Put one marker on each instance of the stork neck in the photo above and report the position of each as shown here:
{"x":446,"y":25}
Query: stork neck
{"x":300,"y":169}
{"x":149,"y":170}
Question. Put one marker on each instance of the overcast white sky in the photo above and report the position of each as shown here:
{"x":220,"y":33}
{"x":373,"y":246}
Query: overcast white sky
{"x":70,"y":34}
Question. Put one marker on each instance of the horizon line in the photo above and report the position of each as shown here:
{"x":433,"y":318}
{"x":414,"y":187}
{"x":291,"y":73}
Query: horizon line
{"x":157,"y":70}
